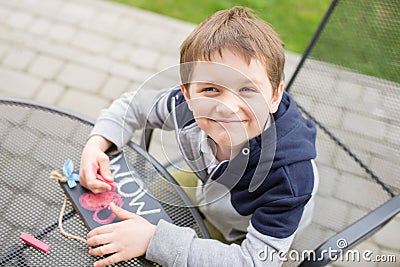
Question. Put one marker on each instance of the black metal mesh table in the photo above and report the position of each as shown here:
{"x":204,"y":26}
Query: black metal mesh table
{"x":36,"y":139}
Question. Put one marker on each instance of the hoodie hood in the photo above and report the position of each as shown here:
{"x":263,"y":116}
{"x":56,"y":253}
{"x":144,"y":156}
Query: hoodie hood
{"x":289,"y":139}
{"x":295,"y":135}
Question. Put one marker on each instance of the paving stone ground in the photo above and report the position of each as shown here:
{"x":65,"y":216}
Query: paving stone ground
{"x":82,"y":54}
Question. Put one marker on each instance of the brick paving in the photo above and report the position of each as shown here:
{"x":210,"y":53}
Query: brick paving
{"x":81,"y":54}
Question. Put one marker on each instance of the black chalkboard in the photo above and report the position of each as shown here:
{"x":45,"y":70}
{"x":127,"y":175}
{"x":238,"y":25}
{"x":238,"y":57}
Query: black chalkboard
{"x":131,"y":194}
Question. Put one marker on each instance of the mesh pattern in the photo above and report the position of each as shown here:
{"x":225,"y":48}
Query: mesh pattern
{"x":350,"y":84}
{"x":163,"y":190}
{"x":35,"y":141}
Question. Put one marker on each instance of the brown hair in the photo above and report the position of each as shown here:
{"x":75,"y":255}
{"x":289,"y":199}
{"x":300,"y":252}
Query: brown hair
{"x":240,"y":30}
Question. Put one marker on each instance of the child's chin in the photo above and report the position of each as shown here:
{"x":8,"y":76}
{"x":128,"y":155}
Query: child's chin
{"x":227,"y":141}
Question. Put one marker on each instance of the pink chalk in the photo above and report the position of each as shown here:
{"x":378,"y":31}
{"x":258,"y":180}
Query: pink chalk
{"x":99,"y":202}
{"x":36,"y":243}
{"x":101,"y":178}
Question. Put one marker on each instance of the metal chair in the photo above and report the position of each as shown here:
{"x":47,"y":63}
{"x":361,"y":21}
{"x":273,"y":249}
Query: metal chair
{"x":347,"y":82}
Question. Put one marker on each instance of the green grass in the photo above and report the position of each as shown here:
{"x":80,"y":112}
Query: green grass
{"x":362,"y":35}
{"x":294,"y":20}
{"x":369,"y":42}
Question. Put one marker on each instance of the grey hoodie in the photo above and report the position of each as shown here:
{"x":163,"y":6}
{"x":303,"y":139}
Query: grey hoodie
{"x":262,"y":195}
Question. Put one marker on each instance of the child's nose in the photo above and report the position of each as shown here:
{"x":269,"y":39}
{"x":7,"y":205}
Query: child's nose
{"x":228,"y":105}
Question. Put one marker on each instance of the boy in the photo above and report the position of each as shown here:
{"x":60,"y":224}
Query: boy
{"x":240,"y":133}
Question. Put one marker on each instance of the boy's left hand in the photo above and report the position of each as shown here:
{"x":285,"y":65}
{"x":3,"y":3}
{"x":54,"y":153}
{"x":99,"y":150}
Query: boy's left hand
{"x":123,"y":240}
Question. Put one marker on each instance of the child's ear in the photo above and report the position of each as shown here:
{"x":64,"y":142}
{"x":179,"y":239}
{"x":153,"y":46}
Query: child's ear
{"x":276,"y":98}
{"x":186,"y":95}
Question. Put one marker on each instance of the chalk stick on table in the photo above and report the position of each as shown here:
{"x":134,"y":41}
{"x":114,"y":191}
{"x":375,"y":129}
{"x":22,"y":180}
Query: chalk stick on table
{"x":36,"y":243}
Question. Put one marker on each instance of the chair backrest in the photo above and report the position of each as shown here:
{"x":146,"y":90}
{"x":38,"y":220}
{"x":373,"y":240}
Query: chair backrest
{"x":348,"y":81}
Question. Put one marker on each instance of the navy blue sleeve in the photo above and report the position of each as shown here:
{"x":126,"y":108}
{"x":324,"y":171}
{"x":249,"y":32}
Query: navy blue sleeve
{"x":280,"y":218}
{"x":277,"y":205}
{"x":289,"y":190}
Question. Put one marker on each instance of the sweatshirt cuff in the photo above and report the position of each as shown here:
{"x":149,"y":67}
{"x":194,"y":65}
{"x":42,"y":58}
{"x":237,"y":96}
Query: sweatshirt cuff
{"x":170,"y":244}
{"x":112,"y":132}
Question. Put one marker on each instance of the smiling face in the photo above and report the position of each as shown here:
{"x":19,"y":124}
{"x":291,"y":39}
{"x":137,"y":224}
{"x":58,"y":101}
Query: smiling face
{"x":231,"y":100}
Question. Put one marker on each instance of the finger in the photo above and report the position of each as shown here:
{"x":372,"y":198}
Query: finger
{"x":114,"y":258}
{"x":97,"y":186}
{"x":98,"y":239}
{"x":121,"y":213}
{"x":93,"y":183}
{"x":104,"y":166}
{"x":103,"y":250}
{"x":102,"y":230}
{"x":86,"y":175}
{"x":89,"y":181}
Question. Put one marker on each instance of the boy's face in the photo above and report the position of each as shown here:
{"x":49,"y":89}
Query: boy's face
{"x":230,"y":99}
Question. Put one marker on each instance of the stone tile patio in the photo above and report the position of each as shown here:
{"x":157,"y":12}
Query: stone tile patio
{"x":82,"y":54}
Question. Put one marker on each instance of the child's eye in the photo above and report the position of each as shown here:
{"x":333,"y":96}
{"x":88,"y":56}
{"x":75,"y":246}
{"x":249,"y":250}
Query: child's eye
{"x":210,"y":89}
{"x":247,"y":89}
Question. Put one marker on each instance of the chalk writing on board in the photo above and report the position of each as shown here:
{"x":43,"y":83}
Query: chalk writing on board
{"x":130,"y":194}
{"x":125,"y":179}
{"x":99,"y":202}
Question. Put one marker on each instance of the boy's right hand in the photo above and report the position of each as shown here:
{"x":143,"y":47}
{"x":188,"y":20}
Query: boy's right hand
{"x":93,"y":155}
